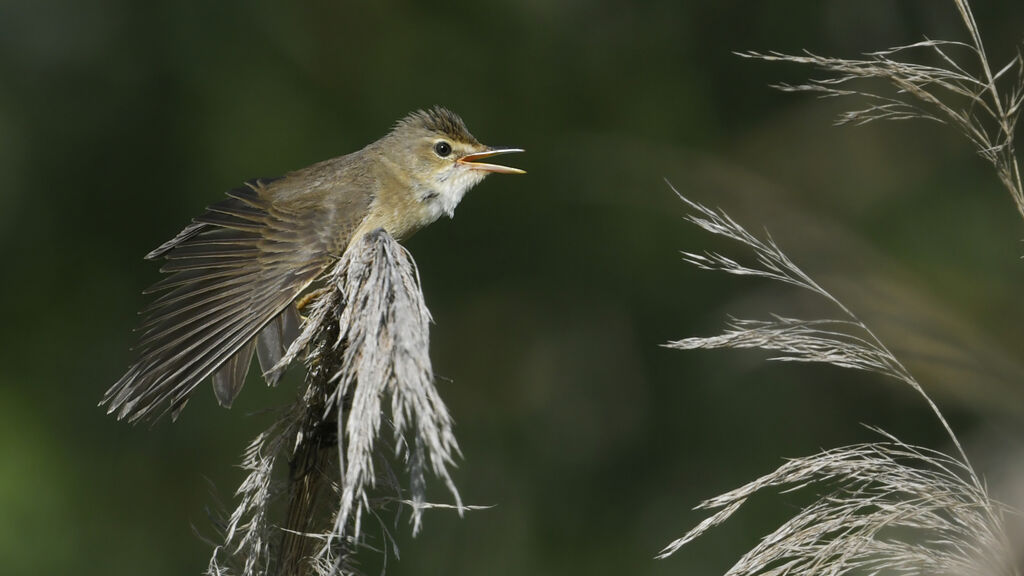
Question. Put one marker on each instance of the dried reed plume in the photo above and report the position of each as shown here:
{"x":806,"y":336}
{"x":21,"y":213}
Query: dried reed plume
{"x":366,"y":338}
{"x":886,"y":507}
{"x":889,"y":507}
{"x":959,"y":89}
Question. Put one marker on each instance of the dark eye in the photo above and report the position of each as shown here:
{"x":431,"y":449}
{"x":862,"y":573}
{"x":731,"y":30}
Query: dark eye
{"x":442,"y":148}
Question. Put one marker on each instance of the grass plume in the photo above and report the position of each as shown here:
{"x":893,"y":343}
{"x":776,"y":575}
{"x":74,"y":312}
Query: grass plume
{"x":957,"y":87}
{"x":887,"y":507}
{"x":366,"y":343}
{"x":884,"y":507}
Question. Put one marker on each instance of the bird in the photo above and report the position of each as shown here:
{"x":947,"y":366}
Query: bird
{"x":233,"y":276}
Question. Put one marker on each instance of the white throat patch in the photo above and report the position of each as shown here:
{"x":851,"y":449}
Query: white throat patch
{"x":452,"y":185}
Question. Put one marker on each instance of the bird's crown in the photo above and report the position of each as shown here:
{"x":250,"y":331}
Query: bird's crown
{"x":439,"y":120}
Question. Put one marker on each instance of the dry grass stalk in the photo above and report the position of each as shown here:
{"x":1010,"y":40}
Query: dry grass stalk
{"x":888,"y":507}
{"x":958,"y":88}
{"x":366,"y":340}
{"x":884,"y":507}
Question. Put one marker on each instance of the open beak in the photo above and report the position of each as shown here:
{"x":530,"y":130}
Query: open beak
{"x":470,"y":161}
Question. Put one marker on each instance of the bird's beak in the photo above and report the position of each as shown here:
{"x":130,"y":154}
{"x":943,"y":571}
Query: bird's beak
{"x":469,"y":160}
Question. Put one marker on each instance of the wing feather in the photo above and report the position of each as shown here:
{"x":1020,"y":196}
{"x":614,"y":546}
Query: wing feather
{"x":273,"y":341}
{"x":231,"y":275}
{"x":185,"y":278}
{"x":229,"y":378}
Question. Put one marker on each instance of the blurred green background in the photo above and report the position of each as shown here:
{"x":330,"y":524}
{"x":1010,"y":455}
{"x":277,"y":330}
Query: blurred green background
{"x":119,"y":120}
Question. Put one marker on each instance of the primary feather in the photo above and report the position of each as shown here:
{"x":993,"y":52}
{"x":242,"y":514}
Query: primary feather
{"x":232,"y":275}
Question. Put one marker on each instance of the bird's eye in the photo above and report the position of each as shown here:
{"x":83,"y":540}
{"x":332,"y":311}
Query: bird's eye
{"x":442,"y":148}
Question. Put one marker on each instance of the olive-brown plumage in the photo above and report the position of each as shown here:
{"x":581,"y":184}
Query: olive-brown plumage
{"x":234,"y":273}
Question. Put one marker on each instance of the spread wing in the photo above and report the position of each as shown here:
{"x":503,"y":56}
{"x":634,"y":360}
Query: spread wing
{"x":231,"y":274}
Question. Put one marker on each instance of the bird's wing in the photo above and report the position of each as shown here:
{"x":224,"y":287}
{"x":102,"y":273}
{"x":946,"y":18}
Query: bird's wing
{"x":231,"y":272}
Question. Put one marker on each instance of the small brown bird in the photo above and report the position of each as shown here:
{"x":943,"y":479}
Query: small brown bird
{"x":235,"y":272}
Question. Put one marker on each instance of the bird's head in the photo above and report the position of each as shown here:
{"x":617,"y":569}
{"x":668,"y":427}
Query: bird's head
{"x":440,"y":158}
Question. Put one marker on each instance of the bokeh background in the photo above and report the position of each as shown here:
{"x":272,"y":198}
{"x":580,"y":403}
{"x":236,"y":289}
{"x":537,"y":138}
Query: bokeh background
{"x":552,"y":292}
